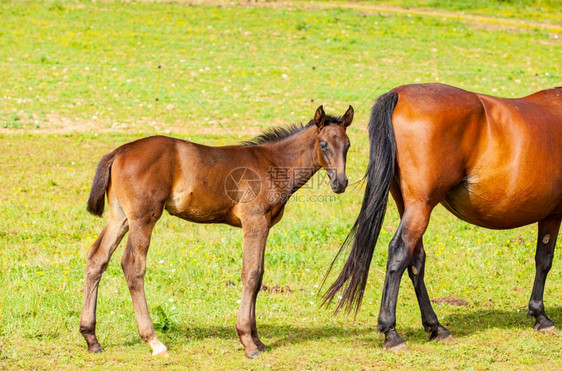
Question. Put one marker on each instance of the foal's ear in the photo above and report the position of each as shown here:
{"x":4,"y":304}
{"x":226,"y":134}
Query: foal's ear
{"x":319,"y":117}
{"x":347,"y":118}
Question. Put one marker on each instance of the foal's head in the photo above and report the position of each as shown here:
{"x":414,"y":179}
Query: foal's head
{"x":332,"y":144}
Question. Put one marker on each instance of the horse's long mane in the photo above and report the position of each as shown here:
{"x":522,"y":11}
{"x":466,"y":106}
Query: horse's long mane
{"x":278,"y":133}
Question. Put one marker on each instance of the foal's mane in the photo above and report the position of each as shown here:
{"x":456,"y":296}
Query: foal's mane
{"x":278,"y":133}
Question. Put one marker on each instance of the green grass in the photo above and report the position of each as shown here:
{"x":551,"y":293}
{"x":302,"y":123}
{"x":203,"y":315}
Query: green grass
{"x":79,"y":79}
{"x":104,"y":73}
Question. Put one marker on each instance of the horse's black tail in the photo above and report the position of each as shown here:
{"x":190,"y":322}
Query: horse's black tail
{"x":96,"y":202}
{"x":365,"y":232}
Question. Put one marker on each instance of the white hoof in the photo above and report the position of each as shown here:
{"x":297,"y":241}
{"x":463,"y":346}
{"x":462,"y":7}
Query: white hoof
{"x":158,"y":349}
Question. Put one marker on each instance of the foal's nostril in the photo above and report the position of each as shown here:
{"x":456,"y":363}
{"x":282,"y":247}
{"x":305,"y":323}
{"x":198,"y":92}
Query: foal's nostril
{"x":342,"y":182}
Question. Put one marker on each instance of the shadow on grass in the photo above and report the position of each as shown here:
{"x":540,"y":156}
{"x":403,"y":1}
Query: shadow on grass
{"x":466,"y":324}
{"x":277,"y":336}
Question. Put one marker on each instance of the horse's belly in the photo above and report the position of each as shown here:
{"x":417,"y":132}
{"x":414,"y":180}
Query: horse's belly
{"x":497,"y":206}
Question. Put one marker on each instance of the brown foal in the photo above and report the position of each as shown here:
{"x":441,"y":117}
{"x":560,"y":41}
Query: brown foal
{"x":490,"y":161}
{"x":203,"y":184}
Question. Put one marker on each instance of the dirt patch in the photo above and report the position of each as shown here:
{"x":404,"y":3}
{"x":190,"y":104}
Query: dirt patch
{"x":451,"y":300}
{"x":58,"y":124}
{"x":370,"y":9}
{"x":364,"y":9}
{"x":519,"y":240}
{"x":277,"y":289}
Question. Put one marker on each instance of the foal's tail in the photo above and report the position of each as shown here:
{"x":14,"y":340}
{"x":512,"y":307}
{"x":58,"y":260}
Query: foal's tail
{"x":96,"y":202}
{"x":365,"y":232}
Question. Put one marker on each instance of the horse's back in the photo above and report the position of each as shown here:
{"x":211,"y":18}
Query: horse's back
{"x":550,"y":99}
{"x":498,"y":160}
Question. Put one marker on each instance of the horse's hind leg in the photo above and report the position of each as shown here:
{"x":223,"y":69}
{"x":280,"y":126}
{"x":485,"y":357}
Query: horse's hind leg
{"x":98,"y":258}
{"x":134,"y":268}
{"x":548,"y":232}
{"x":416,"y":271}
{"x":400,"y":254}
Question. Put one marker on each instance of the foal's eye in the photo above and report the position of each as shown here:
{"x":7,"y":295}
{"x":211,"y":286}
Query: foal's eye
{"x":323,"y":144}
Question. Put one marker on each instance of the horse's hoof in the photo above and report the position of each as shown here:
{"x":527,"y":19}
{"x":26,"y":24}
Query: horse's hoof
{"x":449,"y":339}
{"x":443,"y":336}
{"x":253,"y":354}
{"x":548,"y":330}
{"x":547,"y":327}
{"x":396,"y":348}
{"x":97,"y":350}
{"x":393,"y":342}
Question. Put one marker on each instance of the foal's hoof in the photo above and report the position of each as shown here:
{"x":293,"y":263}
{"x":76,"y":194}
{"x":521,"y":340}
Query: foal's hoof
{"x":164,"y":354}
{"x":261,"y":347}
{"x":396,"y":348}
{"x":96,"y":350}
{"x":253,"y":354}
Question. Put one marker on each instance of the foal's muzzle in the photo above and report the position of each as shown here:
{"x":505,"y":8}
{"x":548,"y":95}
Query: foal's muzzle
{"x":338,"y":184}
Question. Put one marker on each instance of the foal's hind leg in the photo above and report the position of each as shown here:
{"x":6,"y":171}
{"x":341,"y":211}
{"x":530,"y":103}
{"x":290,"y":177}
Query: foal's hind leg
{"x":134,"y":268}
{"x":431,"y":324}
{"x":98,"y":258}
{"x":548,"y":232}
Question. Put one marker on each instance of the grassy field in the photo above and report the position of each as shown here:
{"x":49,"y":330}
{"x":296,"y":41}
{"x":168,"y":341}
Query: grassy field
{"x":78,"y":79}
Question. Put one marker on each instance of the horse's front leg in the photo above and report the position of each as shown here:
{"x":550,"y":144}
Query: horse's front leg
{"x":255,"y":235}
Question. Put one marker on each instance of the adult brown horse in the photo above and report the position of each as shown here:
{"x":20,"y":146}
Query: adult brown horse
{"x":490,"y":161}
{"x":235,"y":185}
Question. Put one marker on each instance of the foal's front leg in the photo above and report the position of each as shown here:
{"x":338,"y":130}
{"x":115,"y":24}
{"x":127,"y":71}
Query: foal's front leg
{"x":255,"y":235}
